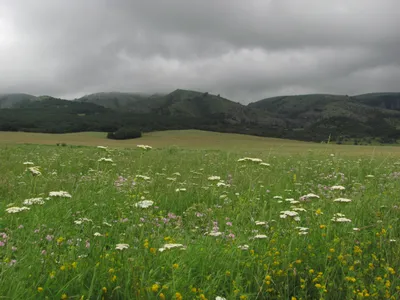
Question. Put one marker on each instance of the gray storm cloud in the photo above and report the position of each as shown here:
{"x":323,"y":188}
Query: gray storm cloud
{"x":243,"y":50}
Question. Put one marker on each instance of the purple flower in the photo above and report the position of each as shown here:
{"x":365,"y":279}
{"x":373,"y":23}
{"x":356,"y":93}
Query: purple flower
{"x":2,"y":244}
{"x":229,"y":223}
{"x":49,"y":237}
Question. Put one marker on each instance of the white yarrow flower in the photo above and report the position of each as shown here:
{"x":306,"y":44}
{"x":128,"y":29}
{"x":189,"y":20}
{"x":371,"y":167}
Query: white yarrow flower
{"x":144,"y":204}
{"x":61,"y":194}
{"x":16,"y":209}
{"x":121,"y":246}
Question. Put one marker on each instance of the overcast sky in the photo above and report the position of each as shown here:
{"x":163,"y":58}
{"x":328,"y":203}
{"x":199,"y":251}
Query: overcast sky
{"x":244,"y":50}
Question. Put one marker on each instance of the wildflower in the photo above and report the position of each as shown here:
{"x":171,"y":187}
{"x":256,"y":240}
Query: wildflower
{"x":244,"y":247}
{"x":144,"y":147}
{"x":251,"y":159}
{"x":342,"y":200}
{"x":15,"y":209}
{"x":34,"y":171}
{"x":144,"y":204}
{"x":340,"y":218}
{"x":215,"y":233}
{"x":309,"y":196}
{"x":104,"y":290}
{"x":33,"y":201}
{"x":121,"y":246}
{"x":64,"y":296}
{"x":175,"y":266}
{"x":61,"y":194}
{"x":155,"y":287}
{"x":97,"y":234}
{"x":214,"y":178}
{"x":162,"y":296}
{"x":260,"y":236}
{"x":260,"y":223}
{"x":265,"y":164}
{"x":220,"y":298}
{"x":105,"y":159}
{"x":170,"y":246}
{"x":40,"y":289}
{"x":147,"y":178}
{"x":319,"y":212}
{"x":178,"y":296}
{"x":337,"y":188}
{"x":102,"y":147}
{"x":28,"y":163}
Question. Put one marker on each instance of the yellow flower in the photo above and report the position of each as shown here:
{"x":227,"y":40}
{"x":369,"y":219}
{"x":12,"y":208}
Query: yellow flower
{"x":202,"y":297}
{"x":331,"y":250}
{"x":60,"y":240}
{"x":155,"y":287}
{"x":194,"y":290}
{"x":111,"y":271}
{"x":52,"y":274}
{"x":243,"y":297}
{"x":319,"y":212}
{"x":178,"y":296}
{"x":322,"y":226}
{"x":62,"y":268}
{"x":40,"y":289}
{"x":153,"y":250}
{"x":227,"y":273}
{"x":391,"y":271}
{"x":298,"y":261}
{"x":293,"y":298}
{"x":114,"y":278}
{"x":318,"y":286}
{"x":175,"y":266}
{"x":64,"y":296}
{"x":311,"y":271}
{"x":146,"y":243}
{"x":162,"y":296}
{"x":104,"y":290}
{"x":357,"y":250}
{"x":350,"y":279}
{"x":74,"y":264}
{"x":267,"y":277}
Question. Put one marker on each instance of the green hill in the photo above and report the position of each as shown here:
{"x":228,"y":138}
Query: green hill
{"x":12,"y":100}
{"x":314,"y":117}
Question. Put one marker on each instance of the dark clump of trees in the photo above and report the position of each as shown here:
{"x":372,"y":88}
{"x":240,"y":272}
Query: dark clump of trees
{"x":124,"y":133}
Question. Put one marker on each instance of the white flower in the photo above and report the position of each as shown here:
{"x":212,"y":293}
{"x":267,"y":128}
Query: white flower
{"x":35,"y":171}
{"x":308,"y":196}
{"x":144,"y":147}
{"x":82,"y":220}
{"x":28,"y":163}
{"x":260,"y":223}
{"x":97,"y":234}
{"x":370,"y":176}
{"x":221,"y":183}
{"x":121,"y":246}
{"x":180,"y":190}
{"x":33,"y":201}
{"x":340,"y":218}
{"x":177,"y":174}
{"x":244,"y":159}
{"x":298,"y":209}
{"x":214,"y":178}
{"x":260,"y":236}
{"x":171,"y":246}
{"x":61,"y":194}
{"x":337,"y":188}
{"x":392,"y":240}
{"x":171,"y":178}
{"x":144,"y":204}
{"x":102,"y":147}
{"x":277,"y":197}
{"x":143,"y":177}
{"x":356,"y":229}
{"x":287,"y":213}
{"x":342,"y":200}
{"x":16,"y":209}
{"x":106,"y":159}
{"x":265,"y":164}
{"x":215,"y":233}
{"x":244,"y":247}
{"x":220,"y":298}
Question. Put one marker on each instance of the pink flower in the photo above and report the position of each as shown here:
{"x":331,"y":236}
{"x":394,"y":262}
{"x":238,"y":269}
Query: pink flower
{"x":229,"y":223}
{"x":2,"y":244}
{"x":87,"y":244}
{"x":49,"y":237}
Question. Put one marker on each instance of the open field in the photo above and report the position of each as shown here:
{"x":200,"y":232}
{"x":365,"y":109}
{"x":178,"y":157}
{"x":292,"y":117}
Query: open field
{"x":196,"y":139}
{"x":196,"y":224}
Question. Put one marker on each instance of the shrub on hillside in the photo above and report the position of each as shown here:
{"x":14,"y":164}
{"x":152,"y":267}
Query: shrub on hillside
{"x":124,"y":133}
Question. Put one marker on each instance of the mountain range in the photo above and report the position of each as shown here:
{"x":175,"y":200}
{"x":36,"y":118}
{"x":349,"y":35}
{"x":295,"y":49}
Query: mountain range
{"x":313,"y":117}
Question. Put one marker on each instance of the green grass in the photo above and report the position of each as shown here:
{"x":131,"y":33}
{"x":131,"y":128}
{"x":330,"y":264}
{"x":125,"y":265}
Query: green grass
{"x":45,"y":253}
{"x":204,"y":140}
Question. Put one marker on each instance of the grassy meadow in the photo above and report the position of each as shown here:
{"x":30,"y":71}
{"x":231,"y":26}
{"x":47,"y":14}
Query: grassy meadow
{"x":192,"y":222}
